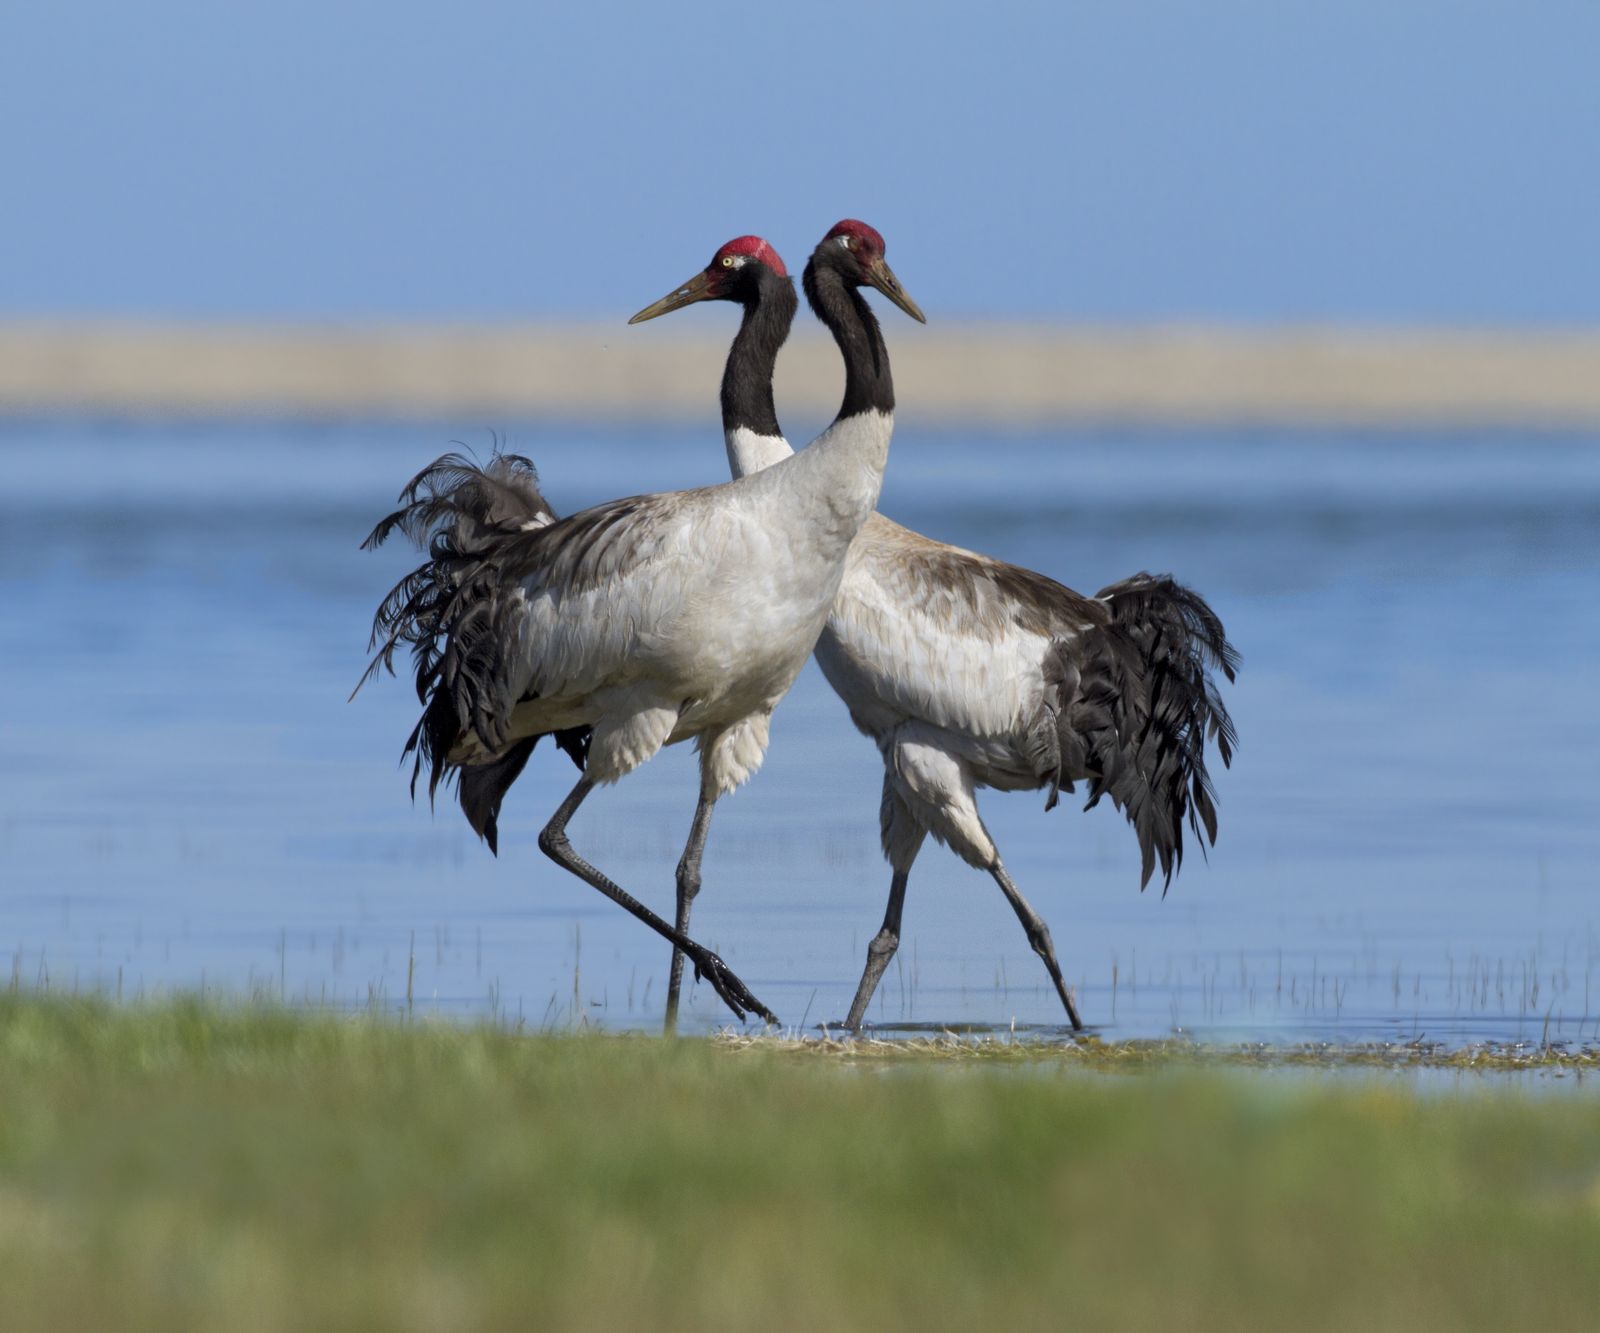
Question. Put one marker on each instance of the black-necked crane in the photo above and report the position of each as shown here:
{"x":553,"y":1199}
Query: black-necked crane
{"x":969,"y":672}
{"x":643,"y":621}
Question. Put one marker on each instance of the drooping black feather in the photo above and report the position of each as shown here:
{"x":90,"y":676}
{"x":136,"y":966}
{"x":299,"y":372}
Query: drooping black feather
{"x":456,"y":612}
{"x":1135,"y":702}
{"x":483,"y":787}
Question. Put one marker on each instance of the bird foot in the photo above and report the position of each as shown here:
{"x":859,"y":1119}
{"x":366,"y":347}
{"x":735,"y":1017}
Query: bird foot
{"x":735,"y":994}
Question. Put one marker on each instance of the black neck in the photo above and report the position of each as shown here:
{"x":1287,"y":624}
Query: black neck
{"x":868,"y":385}
{"x":747,"y":378}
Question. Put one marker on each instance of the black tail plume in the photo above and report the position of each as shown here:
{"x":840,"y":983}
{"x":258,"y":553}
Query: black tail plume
{"x":1138,"y":704}
{"x":456,"y":612}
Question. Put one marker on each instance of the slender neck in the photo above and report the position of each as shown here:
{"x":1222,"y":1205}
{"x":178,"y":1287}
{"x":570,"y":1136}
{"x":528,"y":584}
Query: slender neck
{"x":868,"y":384}
{"x":747,"y":377}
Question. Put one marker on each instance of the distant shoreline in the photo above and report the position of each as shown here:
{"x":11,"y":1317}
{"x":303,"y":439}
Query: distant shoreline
{"x":995,"y":374}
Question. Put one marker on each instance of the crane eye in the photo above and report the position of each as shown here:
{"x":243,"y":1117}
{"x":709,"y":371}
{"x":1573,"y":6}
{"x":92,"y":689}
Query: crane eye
{"x":849,"y":242}
{"x":727,"y":261}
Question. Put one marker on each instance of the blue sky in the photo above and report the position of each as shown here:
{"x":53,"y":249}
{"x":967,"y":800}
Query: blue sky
{"x":1372,"y":161}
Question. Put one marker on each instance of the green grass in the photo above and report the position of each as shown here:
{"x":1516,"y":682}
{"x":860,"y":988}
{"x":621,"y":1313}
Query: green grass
{"x":186,"y":1166}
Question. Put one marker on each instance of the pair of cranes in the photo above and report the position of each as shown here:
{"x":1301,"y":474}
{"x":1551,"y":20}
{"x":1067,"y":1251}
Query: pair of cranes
{"x":653,"y":619}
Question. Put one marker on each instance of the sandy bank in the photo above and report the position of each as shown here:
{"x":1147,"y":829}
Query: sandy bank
{"x":994,"y":374}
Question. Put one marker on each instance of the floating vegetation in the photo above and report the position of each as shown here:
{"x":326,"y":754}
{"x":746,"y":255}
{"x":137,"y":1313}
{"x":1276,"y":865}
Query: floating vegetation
{"x":1094,"y":1053}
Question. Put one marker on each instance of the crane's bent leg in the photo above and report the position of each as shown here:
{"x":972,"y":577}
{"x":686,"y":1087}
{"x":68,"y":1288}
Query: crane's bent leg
{"x":902,"y":839}
{"x":1038,"y":937}
{"x":880,"y":950}
{"x":688,"y":887}
{"x":942,"y":792}
{"x":554,"y":844}
{"x":727,"y":758}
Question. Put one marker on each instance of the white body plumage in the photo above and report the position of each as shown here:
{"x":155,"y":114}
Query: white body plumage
{"x":691,"y":614}
{"x":943,"y":683}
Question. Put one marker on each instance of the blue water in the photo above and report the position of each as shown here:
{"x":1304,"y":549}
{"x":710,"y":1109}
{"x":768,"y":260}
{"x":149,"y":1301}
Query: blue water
{"x":1409,"y":835}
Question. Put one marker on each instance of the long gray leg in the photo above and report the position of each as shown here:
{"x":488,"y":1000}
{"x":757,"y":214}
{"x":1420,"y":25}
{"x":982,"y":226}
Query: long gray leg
{"x":554,"y":844}
{"x":688,"y":887}
{"x":1038,"y":937}
{"x":903,"y":835}
{"x":880,"y":950}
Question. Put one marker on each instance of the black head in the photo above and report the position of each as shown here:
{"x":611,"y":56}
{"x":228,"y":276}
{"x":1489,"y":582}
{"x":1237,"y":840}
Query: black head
{"x":735,"y":273}
{"x":855,"y":252}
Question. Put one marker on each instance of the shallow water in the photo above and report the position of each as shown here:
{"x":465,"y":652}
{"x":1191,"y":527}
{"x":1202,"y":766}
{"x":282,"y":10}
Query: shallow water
{"x":1408,"y":842}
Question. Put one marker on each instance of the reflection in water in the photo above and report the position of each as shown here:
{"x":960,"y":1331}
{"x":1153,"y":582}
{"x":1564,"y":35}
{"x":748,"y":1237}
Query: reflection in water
{"x":1408,"y":841}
